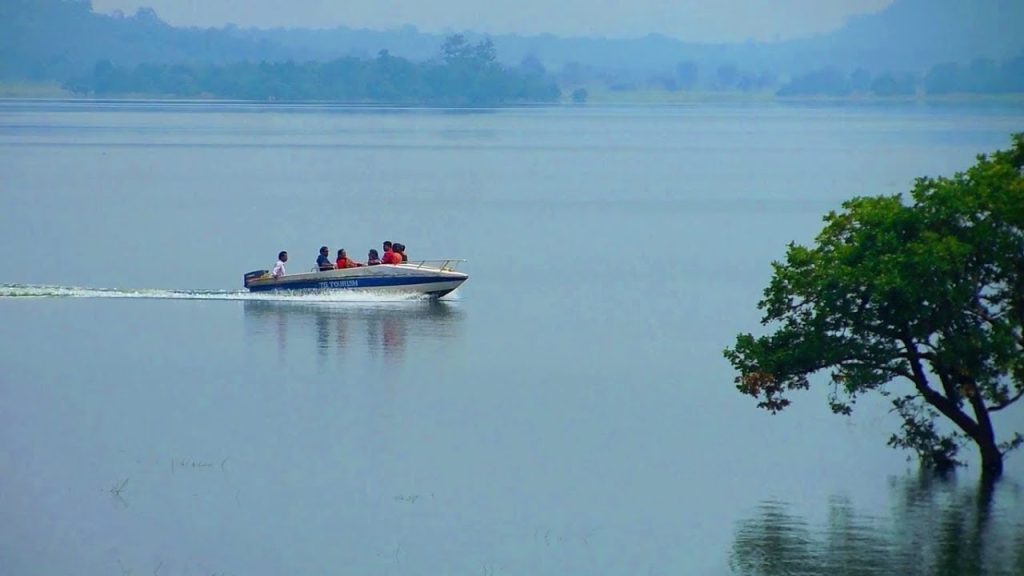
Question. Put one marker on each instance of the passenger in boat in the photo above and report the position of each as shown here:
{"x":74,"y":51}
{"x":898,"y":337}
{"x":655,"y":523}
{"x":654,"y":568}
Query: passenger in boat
{"x":344,"y":261}
{"x":323,"y":261}
{"x":400,"y":250}
{"x":372,"y":259}
{"x":390,"y":256}
{"x":282,"y":257}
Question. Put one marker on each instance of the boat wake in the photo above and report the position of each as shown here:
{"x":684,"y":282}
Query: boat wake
{"x":45,"y":291}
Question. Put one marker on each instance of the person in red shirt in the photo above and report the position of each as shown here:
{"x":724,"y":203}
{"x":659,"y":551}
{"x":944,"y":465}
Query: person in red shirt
{"x":390,"y":256}
{"x":344,"y":261}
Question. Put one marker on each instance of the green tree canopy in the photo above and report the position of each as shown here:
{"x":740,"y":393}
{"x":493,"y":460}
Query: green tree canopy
{"x":921,"y":302}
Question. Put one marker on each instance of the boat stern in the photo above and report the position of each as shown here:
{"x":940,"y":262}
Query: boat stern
{"x":254,"y":275}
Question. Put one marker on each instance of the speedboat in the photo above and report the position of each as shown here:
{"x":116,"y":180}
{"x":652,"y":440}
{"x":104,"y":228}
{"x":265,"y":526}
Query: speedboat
{"x":434,"y":278}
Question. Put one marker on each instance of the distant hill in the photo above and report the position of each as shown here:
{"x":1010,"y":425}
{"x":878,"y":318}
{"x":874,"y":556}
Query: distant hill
{"x":914,"y":35}
{"x":61,"y":39}
{"x":909,"y":35}
{"x":58,"y":39}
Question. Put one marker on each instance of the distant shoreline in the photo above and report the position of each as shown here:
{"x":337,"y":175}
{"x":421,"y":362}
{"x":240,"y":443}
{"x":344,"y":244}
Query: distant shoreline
{"x":596,"y":96}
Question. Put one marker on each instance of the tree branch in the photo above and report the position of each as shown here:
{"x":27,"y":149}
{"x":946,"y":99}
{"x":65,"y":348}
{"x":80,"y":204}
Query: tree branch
{"x":947,"y":385}
{"x":940,"y":402}
{"x":1002,"y":405}
{"x":930,"y":357}
{"x":980,"y":311}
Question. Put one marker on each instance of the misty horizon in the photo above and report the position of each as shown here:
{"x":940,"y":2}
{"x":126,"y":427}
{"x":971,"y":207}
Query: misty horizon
{"x":692,"y":21}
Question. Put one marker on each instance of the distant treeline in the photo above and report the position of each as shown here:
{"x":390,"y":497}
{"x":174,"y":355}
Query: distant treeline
{"x":466,"y":74}
{"x":982,"y":76}
{"x":891,"y":53}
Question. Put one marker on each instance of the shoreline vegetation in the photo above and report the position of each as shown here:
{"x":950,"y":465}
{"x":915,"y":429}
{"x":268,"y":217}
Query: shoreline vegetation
{"x":596,"y":94}
{"x":63,"y":48}
{"x":469,"y":75}
{"x":466,"y":74}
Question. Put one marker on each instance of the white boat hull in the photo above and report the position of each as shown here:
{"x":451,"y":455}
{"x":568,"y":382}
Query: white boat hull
{"x":432,"y":278}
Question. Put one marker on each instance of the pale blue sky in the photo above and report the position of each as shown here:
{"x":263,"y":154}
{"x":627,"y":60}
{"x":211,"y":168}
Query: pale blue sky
{"x":693,"y":20}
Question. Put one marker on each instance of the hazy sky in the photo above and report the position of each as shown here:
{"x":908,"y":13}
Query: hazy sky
{"x":694,"y":20}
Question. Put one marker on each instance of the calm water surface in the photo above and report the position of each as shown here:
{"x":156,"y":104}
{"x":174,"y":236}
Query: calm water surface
{"x":567,"y":412}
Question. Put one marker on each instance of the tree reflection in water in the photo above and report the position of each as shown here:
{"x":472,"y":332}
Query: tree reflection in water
{"x":387,"y":326}
{"x":936,"y":528}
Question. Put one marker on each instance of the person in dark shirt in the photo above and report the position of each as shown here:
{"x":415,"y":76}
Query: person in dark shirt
{"x":372,"y":259}
{"x":323,"y":261}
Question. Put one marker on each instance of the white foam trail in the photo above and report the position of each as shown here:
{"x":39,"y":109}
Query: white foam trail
{"x":44,"y":291}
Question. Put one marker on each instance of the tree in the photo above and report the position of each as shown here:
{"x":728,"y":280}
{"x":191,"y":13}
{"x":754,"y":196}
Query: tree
{"x":860,"y":80}
{"x":824,"y":82}
{"x":456,"y":50}
{"x":929,"y":294}
{"x":983,"y":76}
{"x":889,"y":84}
{"x":575,"y":73}
{"x":1012,"y":73}
{"x":472,"y":77}
{"x":726,"y":76}
{"x":945,"y":78}
{"x":687,"y":73}
{"x":532,"y":66}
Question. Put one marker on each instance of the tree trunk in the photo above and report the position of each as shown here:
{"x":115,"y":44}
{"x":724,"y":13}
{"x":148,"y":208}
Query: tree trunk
{"x":991,"y":459}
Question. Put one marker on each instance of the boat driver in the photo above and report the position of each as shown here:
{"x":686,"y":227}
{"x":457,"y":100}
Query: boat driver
{"x":323,"y":261}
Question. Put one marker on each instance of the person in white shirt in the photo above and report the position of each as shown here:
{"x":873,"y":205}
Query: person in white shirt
{"x":282,"y":257}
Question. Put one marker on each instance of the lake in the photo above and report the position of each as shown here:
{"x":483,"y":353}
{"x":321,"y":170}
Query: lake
{"x":567,"y":411}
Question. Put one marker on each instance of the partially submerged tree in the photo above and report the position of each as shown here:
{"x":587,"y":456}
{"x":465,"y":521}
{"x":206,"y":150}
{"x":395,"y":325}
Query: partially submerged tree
{"x":923,"y":303}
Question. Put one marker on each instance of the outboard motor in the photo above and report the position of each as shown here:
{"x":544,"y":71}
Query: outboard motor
{"x":255,"y":275}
